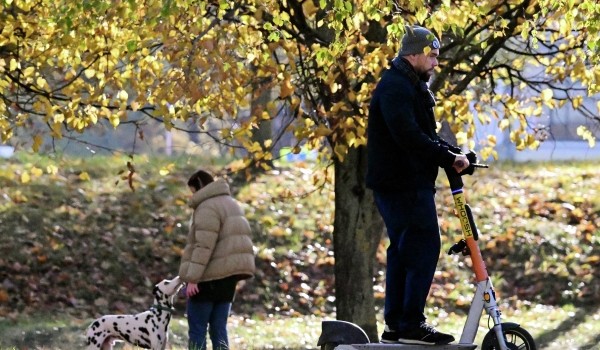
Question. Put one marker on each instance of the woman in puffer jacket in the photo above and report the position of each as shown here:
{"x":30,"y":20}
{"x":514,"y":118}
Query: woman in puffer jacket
{"x":218,"y":254}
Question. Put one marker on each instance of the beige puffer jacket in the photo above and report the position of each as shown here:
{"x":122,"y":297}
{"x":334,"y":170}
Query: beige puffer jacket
{"x":218,"y":243}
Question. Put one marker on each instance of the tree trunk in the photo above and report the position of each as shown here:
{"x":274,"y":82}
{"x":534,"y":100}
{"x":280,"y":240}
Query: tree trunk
{"x":357,"y":233}
{"x":261,"y":96}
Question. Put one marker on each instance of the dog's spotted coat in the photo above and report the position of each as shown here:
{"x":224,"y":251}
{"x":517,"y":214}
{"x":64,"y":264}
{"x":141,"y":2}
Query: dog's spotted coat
{"x":148,"y":330}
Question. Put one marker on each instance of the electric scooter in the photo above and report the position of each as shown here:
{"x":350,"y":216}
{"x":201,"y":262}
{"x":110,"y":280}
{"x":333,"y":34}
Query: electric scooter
{"x":341,"y":335}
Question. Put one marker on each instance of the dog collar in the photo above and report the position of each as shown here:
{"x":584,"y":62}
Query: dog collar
{"x":162,"y":308}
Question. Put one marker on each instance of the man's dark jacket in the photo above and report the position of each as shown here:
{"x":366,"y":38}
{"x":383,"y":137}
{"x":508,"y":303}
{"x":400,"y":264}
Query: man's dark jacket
{"x":404,"y":150}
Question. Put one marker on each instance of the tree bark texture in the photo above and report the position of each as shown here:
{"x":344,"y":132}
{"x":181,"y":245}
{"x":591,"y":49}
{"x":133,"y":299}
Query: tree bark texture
{"x":264,"y":131}
{"x":357,"y":233}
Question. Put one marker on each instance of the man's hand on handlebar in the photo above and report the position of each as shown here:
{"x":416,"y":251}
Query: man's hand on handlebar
{"x":465,"y":164}
{"x":461,"y":162}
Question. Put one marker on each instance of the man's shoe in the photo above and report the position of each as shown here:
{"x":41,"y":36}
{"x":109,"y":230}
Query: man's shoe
{"x":389,"y":336}
{"x":424,"y":335}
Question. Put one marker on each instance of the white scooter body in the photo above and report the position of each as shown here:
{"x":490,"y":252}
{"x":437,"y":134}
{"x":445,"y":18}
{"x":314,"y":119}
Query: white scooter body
{"x":484,"y":298}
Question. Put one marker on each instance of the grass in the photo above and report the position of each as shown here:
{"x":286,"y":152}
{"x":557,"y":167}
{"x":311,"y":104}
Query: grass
{"x":553,"y":328}
{"x":65,"y":235}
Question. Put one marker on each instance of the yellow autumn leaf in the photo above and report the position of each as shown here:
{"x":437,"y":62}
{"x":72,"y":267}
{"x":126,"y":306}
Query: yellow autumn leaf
{"x":89,"y":73}
{"x":84,"y":176}
{"x":547,"y":95}
{"x":593,"y":259}
{"x":123,"y":95}
{"x":334,"y":87}
{"x":286,"y":88}
{"x":422,"y":14}
{"x":322,"y":130}
{"x":461,"y":137}
{"x":238,"y":164}
{"x":41,"y":82}
{"x":37,"y":172}
{"x":114,"y":120}
{"x":59,"y":118}
{"x":268,"y":221}
{"x":340,"y":151}
{"x":25,"y":178}
{"x":587,"y":135}
{"x":13,"y":64}
{"x":309,"y":9}
{"x":27,"y":72}
{"x":37,"y":142}
{"x":350,"y":138}
{"x":577,"y":101}
{"x":52,"y":169}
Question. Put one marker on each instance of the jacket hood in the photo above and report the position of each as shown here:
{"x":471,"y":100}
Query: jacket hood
{"x":217,"y":188}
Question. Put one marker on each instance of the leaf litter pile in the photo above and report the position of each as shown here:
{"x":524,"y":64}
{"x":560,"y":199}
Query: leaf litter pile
{"x":79,"y":241}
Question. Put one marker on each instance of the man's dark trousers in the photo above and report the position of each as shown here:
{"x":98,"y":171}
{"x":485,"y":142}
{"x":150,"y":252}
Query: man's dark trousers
{"x":411,"y":221}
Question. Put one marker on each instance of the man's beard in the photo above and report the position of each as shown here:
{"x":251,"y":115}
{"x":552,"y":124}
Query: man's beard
{"x":424,"y":76}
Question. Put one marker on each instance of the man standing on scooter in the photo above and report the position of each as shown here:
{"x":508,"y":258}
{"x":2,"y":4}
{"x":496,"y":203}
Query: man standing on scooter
{"x":404,"y":155}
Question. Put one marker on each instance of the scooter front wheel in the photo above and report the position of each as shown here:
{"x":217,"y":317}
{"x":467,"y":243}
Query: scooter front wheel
{"x":514,"y":335}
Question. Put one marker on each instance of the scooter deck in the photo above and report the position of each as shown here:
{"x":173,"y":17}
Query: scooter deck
{"x":377,"y":346}
{"x":349,"y":336}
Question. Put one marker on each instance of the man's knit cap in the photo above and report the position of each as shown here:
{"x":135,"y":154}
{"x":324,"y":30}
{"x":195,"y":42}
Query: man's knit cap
{"x":415,"y":40}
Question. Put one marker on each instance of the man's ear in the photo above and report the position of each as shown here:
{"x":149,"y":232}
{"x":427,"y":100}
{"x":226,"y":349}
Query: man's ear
{"x":411,"y":58}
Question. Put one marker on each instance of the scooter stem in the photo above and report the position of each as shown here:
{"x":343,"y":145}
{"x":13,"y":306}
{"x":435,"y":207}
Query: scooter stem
{"x":456,"y":185}
{"x":485,"y":297}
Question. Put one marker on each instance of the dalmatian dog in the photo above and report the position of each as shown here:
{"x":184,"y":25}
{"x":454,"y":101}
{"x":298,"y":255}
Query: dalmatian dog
{"x":148,"y":330}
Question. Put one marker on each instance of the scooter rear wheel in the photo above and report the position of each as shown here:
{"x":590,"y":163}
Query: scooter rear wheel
{"x":516,"y":338}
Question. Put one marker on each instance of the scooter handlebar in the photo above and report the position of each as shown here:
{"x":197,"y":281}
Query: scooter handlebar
{"x":460,"y":163}
{"x":455,"y":178}
{"x":472,"y":157}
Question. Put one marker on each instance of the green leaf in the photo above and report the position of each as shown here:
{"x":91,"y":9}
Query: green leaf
{"x":131,"y":46}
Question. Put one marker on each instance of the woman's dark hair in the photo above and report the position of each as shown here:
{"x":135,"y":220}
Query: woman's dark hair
{"x":200,"y":179}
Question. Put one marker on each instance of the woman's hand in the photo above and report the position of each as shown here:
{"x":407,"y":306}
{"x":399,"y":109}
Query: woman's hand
{"x":192,"y":289}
